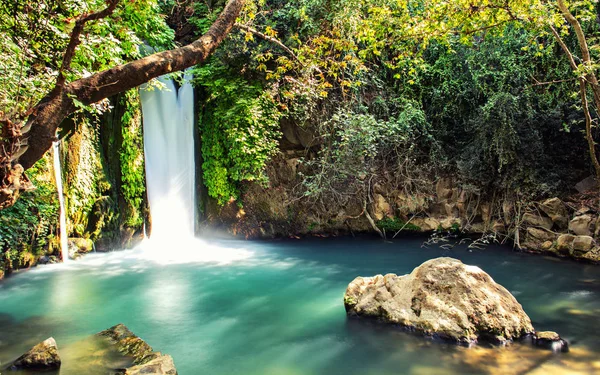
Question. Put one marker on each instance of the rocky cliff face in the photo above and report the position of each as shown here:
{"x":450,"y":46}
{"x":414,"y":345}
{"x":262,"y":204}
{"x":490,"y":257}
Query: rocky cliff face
{"x":96,"y":175}
{"x":568,"y":227}
{"x":104,"y":190}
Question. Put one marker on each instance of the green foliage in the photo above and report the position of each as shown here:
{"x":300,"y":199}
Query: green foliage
{"x":455,"y":228}
{"x":496,"y":129}
{"x":83,"y":174}
{"x":395,"y":224}
{"x":30,"y":225}
{"x":131,"y":156}
{"x":35,"y":36}
{"x":204,"y":15}
{"x":239,"y":128}
{"x":355,"y":144}
{"x":389,"y":87}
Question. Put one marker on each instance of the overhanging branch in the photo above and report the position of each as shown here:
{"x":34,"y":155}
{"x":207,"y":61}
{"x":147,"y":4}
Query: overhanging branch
{"x":56,"y":106}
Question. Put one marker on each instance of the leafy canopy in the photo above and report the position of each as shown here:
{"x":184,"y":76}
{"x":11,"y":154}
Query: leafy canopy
{"x":35,"y":34}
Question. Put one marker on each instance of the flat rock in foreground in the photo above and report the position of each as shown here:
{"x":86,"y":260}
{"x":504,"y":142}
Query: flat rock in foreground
{"x":442,"y":297}
{"x":145,"y":359}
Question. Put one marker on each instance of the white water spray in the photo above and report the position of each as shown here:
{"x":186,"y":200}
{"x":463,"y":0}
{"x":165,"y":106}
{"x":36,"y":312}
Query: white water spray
{"x":169,"y":150}
{"x":170,"y":179}
{"x":168,"y":117}
{"x":64,"y":243}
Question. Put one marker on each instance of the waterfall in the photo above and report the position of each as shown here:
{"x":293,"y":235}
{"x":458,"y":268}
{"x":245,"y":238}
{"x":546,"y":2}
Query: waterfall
{"x":64,"y":243}
{"x":168,"y":119}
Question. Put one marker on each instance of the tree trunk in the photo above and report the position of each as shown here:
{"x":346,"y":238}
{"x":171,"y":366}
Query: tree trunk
{"x":589,"y":77}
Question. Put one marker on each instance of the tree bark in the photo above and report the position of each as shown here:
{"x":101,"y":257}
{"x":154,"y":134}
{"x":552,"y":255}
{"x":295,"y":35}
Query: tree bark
{"x":58,"y":104}
{"x":588,"y":127}
{"x":588,"y":77}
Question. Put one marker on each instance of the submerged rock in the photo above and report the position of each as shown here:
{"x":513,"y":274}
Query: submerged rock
{"x":145,"y":359}
{"x":550,"y":340}
{"x":442,"y":297}
{"x":43,"y":356}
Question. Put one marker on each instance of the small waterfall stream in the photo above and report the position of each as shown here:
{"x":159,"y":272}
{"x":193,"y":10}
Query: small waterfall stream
{"x":168,"y":119}
{"x":64,"y":243}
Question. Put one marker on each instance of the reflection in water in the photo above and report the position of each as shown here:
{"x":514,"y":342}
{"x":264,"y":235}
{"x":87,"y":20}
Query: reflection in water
{"x":276,"y":308}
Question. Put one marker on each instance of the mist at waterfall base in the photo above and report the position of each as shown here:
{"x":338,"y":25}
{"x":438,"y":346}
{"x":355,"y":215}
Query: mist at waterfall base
{"x":280,"y":311}
{"x":168,"y":119}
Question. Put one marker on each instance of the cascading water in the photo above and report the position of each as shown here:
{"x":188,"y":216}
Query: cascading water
{"x":168,"y":116}
{"x":64,"y":244}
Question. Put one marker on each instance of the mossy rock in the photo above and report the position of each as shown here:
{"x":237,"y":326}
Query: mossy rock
{"x":43,"y":356}
{"x":129,"y":344}
{"x":145,"y":359}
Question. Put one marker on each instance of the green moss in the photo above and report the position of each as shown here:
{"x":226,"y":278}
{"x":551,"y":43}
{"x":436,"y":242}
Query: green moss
{"x":455,"y":228}
{"x":27,"y":228}
{"x":395,"y":224}
{"x":131,"y":157}
{"x":239,"y":128}
{"x":312,"y":225}
{"x":349,"y":301}
{"x":84,"y":176}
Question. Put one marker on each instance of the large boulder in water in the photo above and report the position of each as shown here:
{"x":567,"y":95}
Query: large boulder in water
{"x":43,"y":356}
{"x":442,"y":297}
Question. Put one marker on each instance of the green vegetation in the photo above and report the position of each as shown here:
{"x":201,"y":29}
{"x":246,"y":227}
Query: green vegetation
{"x":240,"y":128}
{"x":396,"y":224}
{"x":29,"y":228}
{"x":500,"y":95}
{"x":394,"y":89}
{"x":131,"y":157}
{"x":36,"y":34}
{"x":496,"y":128}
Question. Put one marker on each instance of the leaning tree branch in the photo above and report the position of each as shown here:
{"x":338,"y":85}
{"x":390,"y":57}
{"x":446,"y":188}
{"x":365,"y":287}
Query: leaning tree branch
{"x":75,"y":38}
{"x":588,"y":127}
{"x":590,"y":76}
{"x":585,"y":51}
{"x":564,"y":47}
{"x":55,"y":107}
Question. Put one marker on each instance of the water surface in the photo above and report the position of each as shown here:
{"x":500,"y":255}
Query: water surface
{"x":277,"y":308}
